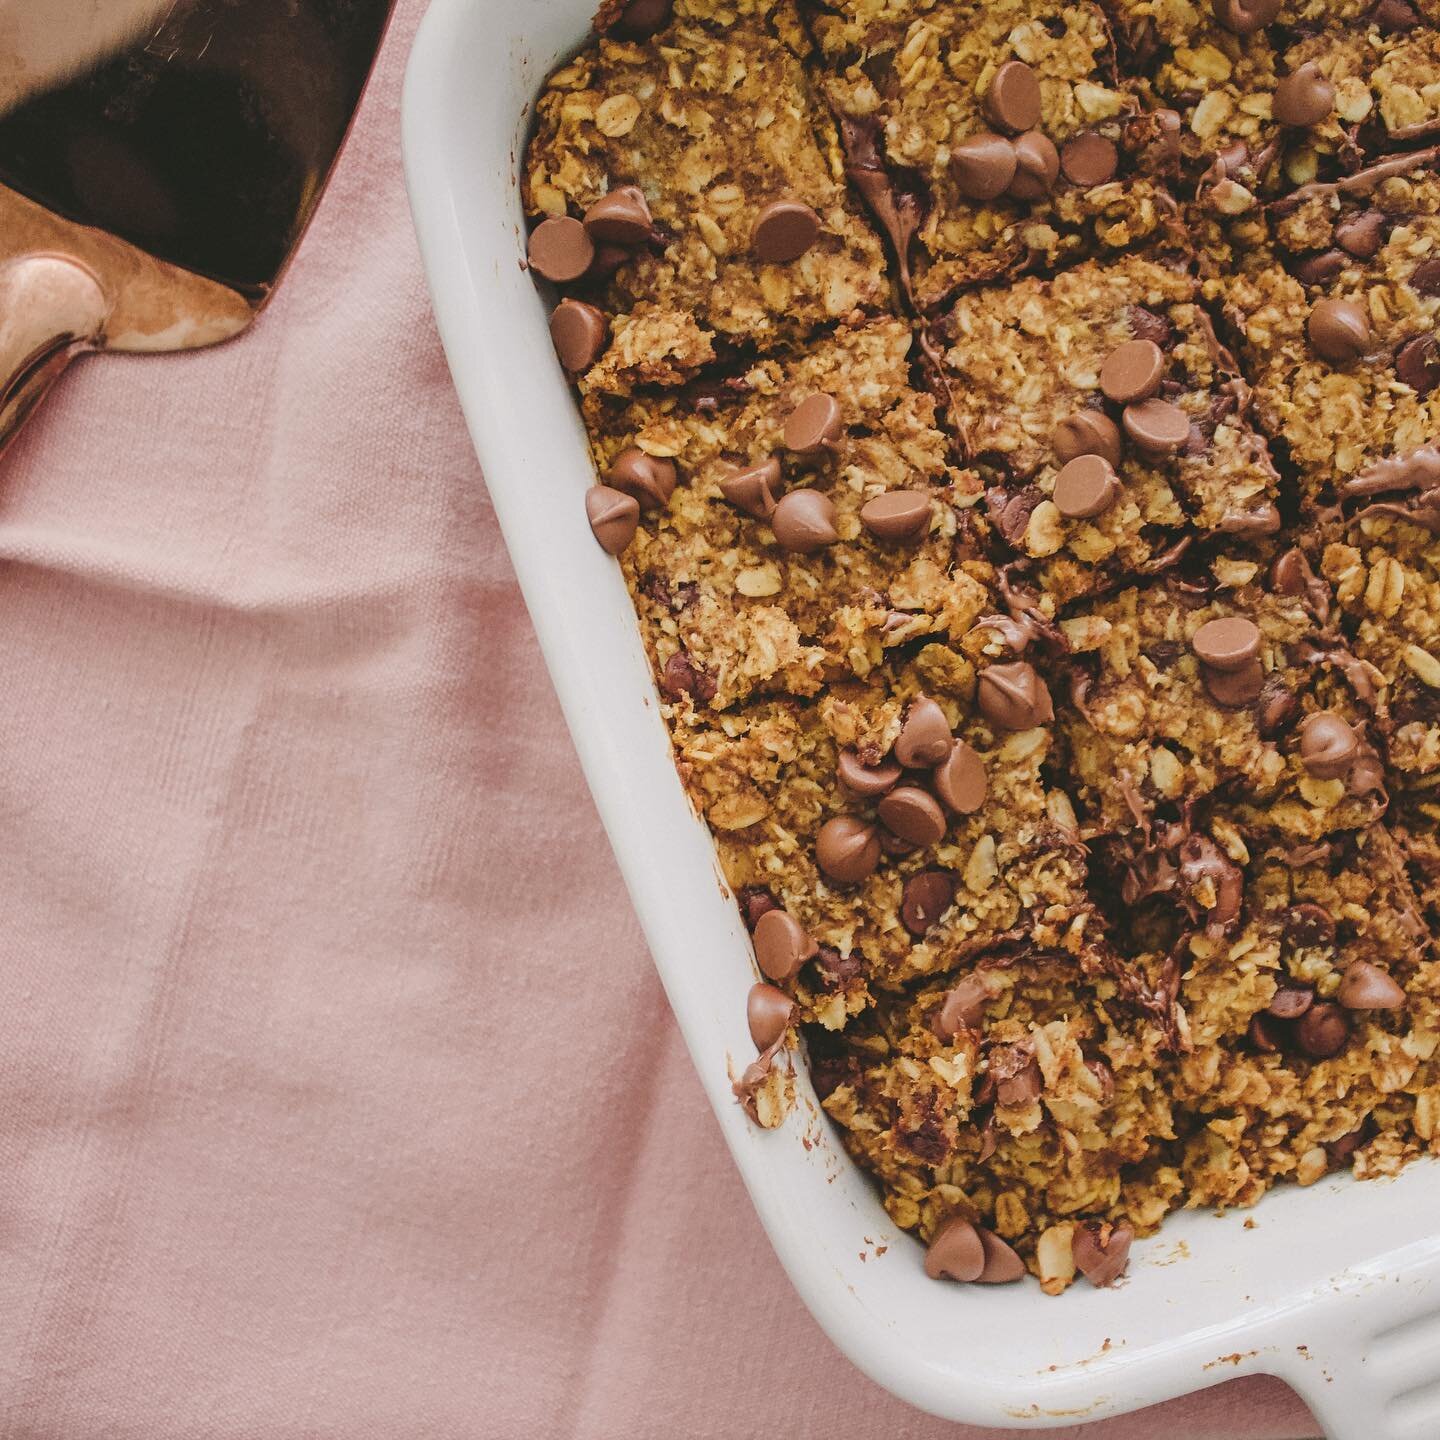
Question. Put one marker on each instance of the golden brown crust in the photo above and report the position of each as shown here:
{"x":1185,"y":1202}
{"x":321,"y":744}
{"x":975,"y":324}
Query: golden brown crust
{"x":1156,"y":931}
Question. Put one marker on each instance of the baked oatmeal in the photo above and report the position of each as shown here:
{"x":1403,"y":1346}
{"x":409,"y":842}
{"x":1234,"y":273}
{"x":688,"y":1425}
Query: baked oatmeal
{"x":1335,"y":314}
{"x":1002,"y":122}
{"x":1018,"y":425}
{"x":1108,"y":423}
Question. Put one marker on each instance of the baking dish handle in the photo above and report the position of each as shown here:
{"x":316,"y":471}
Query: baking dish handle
{"x":1349,"y":1406}
{"x":51,"y":309}
{"x":1368,"y":1384}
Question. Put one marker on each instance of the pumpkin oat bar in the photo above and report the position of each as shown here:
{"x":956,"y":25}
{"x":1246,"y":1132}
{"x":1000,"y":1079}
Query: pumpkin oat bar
{"x":755,"y":568}
{"x":1188,"y":689}
{"x":1049,"y":654}
{"x":1271,"y":96}
{"x":1386,"y":572}
{"x":1335,"y":326}
{"x":1309,"y":1022}
{"x":1022,"y":1107}
{"x":687,"y":139}
{"x":994,"y":134}
{"x":1114,"y":366}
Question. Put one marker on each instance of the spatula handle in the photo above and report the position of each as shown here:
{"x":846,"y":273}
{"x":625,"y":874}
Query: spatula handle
{"x":51,"y":309}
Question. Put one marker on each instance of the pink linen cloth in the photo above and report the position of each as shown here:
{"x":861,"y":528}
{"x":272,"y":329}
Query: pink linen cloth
{"x":338,"y":1097}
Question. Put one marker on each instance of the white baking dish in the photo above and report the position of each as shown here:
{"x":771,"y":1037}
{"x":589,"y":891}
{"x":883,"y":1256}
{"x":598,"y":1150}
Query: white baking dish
{"x":1335,"y":1288}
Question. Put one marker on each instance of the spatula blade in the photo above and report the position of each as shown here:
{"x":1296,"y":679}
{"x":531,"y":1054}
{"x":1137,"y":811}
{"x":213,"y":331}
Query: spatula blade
{"x":159,"y":161}
{"x":206,"y":139}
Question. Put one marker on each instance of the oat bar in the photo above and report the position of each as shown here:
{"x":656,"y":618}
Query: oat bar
{"x":1016,"y":427}
{"x":1006,"y":118}
{"x":687,"y":166}
{"x":1112,"y":366}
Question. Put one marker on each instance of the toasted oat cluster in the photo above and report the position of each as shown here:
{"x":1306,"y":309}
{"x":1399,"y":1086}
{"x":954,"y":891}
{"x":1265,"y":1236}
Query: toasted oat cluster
{"x":1018,"y":424}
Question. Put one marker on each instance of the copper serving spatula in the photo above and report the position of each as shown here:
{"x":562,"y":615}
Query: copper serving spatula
{"x":159,"y":161}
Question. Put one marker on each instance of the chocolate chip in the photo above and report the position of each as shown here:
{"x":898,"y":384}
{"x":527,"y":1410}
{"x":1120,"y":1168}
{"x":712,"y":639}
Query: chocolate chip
{"x":847,"y":849}
{"x":648,"y":478}
{"x":621,"y":217}
{"x":926,"y":898}
{"x":1320,"y":269}
{"x":614,"y":517}
{"x":1011,"y":512}
{"x":955,"y":1252}
{"x":782,"y":945}
{"x":1417,"y":469}
{"x":655,"y":586}
{"x":1037,"y":167}
{"x":924,"y":738}
{"x":913,"y":814}
{"x":579,"y":332}
{"x":1016,"y":1075}
{"x":1291,"y":575}
{"x":1425,"y":278}
{"x":1156,"y":427}
{"x":1101,"y":1251}
{"x":1304,"y":97}
{"x":1229,"y":644}
{"x":928,"y":1140}
{"x":1234,"y":689}
{"x":753,"y":488}
{"x":815,"y":424}
{"x":1327,"y":745}
{"x":1275,"y":707}
{"x":1245,"y":17}
{"x":836,"y":972}
{"x":1086,"y":432}
{"x":1367,"y":775}
{"x":755,"y":903}
{"x":1309,"y":926}
{"x":1367,"y":987}
{"x":1339,"y":330}
{"x":1132,"y":371}
{"x":1264,"y":1034}
{"x":1417,"y":364}
{"x":1361,"y":234}
{"x":1264,"y":519}
{"x":892,"y":844}
{"x":898,"y":517}
{"x":1342,"y":1151}
{"x":1290,"y":1002}
{"x":804,"y":522}
{"x":1022,"y":1088}
{"x":560,"y":250}
{"x":1322,"y":1031}
{"x":960,"y":780}
{"x":983,"y":166}
{"x":768,"y":1012}
{"x":1085,"y":487}
{"x":642,"y":18}
{"x":608,"y":259}
{"x":866,"y":781}
{"x":963,"y":1009}
{"x":682,"y":676}
{"x":784,"y":230}
{"x":1012,"y":101}
{"x":1156,"y":136}
{"x":1145,"y":324}
{"x":1089,"y":159}
{"x":1014,"y":697}
{"x":1394,"y":17}
{"x":1002,"y":1265}
{"x":1201,"y":860}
